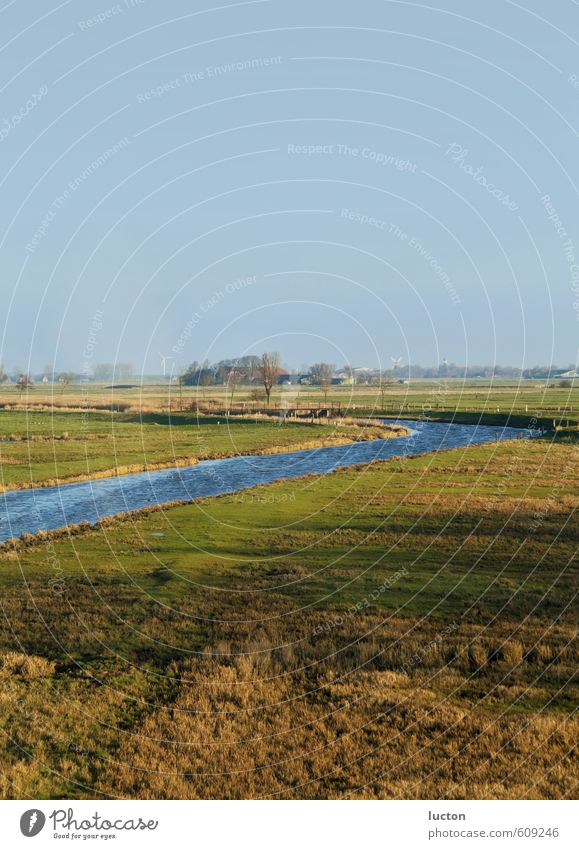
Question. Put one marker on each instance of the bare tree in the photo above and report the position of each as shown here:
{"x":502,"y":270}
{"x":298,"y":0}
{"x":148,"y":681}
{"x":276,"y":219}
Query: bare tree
{"x":66,"y":377}
{"x":181,"y":382}
{"x":383,"y":384}
{"x":269,"y":372}
{"x":3,"y":375}
{"x":24,"y":383}
{"x":322,"y":372}
{"x":325,"y":386}
{"x":234,"y":378}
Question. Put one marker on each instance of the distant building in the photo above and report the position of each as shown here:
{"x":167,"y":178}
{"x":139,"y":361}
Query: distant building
{"x":358,"y":374}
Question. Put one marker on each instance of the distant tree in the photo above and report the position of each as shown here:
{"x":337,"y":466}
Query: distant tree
{"x":108,"y":371}
{"x":234,"y":378}
{"x":269,"y":372}
{"x":188,"y":375}
{"x":103,"y":371}
{"x":198,"y":374}
{"x":221,"y":374}
{"x":24,"y":383}
{"x":123,"y":370}
{"x":240,"y":362}
{"x":322,"y":372}
{"x":254,"y":372}
{"x":256,"y":395}
{"x":181,"y":384}
{"x":565,"y":384}
{"x":3,"y":375}
{"x":325,"y":384}
{"x":247,"y":367}
{"x":65,"y":378}
{"x":383,"y":383}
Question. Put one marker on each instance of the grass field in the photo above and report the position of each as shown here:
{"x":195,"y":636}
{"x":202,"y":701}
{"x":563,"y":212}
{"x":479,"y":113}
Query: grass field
{"x":405,"y":630}
{"x":42,"y":448}
{"x":527,"y":398}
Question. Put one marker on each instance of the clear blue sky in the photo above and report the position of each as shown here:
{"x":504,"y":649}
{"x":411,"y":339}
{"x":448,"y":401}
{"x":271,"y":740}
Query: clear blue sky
{"x":345,"y":182}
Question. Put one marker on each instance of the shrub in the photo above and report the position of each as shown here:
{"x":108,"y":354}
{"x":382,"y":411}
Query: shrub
{"x":510,"y":653}
{"x":477,"y":655}
{"x":27,"y":665}
{"x":540,"y":653}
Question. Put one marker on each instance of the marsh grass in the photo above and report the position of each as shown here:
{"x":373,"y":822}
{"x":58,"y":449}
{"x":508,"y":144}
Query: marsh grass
{"x":405,"y":632}
{"x":266,"y":712}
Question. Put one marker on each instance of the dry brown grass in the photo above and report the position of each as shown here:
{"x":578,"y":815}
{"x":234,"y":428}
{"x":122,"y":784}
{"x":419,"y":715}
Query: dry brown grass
{"x":449,"y":711}
{"x":25,"y":665}
{"x":248,"y":727}
{"x":365,"y":748}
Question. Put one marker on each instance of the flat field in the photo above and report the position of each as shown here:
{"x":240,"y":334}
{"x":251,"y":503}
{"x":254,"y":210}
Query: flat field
{"x":399,"y":630}
{"x":444,"y":397}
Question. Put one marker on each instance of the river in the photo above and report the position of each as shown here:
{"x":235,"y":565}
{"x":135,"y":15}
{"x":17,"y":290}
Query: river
{"x":49,"y":508}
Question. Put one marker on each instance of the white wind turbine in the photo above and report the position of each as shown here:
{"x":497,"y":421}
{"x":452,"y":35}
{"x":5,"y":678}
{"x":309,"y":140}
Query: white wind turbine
{"x":164,"y":361}
{"x":396,"y":361}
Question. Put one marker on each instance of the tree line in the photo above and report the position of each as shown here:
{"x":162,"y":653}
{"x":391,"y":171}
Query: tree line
{"x":265,"y":371}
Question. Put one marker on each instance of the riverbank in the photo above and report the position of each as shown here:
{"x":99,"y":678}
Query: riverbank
{"x":46,"y":450}
{"x":526,"y":422}
{"x":81,"y":504}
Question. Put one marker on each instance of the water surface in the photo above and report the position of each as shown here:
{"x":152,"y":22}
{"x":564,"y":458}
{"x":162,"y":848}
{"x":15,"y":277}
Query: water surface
{"x":29,"y":511}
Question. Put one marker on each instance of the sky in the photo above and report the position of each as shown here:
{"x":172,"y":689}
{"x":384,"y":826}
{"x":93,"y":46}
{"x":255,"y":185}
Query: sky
{"x":340,"y":182}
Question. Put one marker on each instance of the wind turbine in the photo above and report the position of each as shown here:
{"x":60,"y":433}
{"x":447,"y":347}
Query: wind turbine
{"x":396,"y":361}
{"x":164,"y":361}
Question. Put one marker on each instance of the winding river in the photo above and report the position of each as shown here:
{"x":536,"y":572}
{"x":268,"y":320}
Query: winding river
{"x":32,"y":510}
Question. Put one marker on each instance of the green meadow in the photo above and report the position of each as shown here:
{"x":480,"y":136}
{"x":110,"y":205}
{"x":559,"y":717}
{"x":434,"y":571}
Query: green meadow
{"x":402,"y":629}
{"x":50,"y":447}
